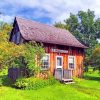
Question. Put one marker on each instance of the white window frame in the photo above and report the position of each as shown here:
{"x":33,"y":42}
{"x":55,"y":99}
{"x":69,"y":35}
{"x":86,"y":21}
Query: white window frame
{"x":62,"y":62}
{"x":47,"y":54}
{"x":74,"y":63}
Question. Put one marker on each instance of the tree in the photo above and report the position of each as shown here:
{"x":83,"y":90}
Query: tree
{"x":97,"y":26}
{"x":95,"y":57}
{"x":8,"y":50}
{"x":73,"y":24}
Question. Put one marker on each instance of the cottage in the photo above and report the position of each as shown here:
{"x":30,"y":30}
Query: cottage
{"x":63,"y":51}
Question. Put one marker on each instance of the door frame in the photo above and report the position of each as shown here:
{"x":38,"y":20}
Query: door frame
{"x":62,"y":62}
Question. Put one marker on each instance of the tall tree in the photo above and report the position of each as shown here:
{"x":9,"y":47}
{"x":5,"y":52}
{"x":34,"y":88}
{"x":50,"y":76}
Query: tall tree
{"x":84,"y":27}
{"x":73,"y":24}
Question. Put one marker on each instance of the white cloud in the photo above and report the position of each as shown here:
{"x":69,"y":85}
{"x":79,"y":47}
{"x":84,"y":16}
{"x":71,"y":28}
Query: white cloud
{"x":57,"y":10}
{"x":6,"y":18}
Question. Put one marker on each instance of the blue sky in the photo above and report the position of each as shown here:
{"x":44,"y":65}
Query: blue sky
{"x":46,"y":11}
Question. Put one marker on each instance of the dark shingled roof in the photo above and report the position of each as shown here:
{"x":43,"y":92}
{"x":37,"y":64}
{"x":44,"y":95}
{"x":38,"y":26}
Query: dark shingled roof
{"x":31,"y":30}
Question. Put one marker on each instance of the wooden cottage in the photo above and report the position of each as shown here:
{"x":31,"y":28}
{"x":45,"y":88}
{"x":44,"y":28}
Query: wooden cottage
{"x":64,"y":53}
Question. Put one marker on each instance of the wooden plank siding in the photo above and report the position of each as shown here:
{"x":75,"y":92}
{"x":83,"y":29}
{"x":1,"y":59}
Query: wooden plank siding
{"x":16,"y":36}
{"x":79,"y":57}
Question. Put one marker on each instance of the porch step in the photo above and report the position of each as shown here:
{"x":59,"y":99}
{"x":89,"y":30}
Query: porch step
{"x":67,"y":80}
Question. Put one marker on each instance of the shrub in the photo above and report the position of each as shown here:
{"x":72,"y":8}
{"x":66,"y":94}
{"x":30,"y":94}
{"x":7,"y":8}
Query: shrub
{"x":0,"y":82}
{"x":3,"y":73}
{"x":33,"y":83}
{"x":33,"y":54}
{"x":4,"y":80}
{"x":21,"y":83}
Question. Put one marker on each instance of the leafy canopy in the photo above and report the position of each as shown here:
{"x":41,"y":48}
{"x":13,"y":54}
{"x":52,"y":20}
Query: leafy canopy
{"x":8,"y":50}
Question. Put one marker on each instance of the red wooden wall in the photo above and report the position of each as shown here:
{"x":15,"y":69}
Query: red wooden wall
{"x":77,"y":52}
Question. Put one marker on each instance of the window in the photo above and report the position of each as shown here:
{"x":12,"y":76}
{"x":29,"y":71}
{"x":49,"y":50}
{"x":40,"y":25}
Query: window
{"x":59,"y":61}
{"x":71,"y":62}
{"x":46,"y":61}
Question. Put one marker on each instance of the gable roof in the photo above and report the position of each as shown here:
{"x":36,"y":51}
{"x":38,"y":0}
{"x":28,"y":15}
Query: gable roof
{"x":31,"y":30}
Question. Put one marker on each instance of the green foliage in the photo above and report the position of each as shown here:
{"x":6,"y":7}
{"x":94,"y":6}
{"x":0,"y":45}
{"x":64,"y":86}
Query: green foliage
{"x":33,"y":83}
{"x":21,"y":83}
{"x":4,"y":80}
{"x":72,"y":22}
{"x":0,"y":81}
{"x":33,"y":54}
{"x":2,"y":75}
{"x":95,"y":57}
{"x":60,"y":25}
{"x":18,"y":62}
{"x":97,"y":26}
{"x":8,"y":51}
{"x":5,"y":30}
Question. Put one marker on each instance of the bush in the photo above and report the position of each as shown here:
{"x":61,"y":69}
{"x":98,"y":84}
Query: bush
{"x":0,"y":82}
{"x":33,"y":83}
{"x":3,"y":73}
{"x":4,"y":80}
{"x":21,"y":83}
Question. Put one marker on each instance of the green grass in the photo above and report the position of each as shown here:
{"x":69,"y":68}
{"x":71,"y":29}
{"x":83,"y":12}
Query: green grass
{"x":83,"y":89}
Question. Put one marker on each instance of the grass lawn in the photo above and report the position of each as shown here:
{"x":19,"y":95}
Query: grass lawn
{"x":83,"y":89}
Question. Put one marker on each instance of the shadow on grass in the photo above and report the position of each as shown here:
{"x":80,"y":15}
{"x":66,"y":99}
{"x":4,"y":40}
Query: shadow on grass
{"x":90,"y":77}
{"x":87,"y":90}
